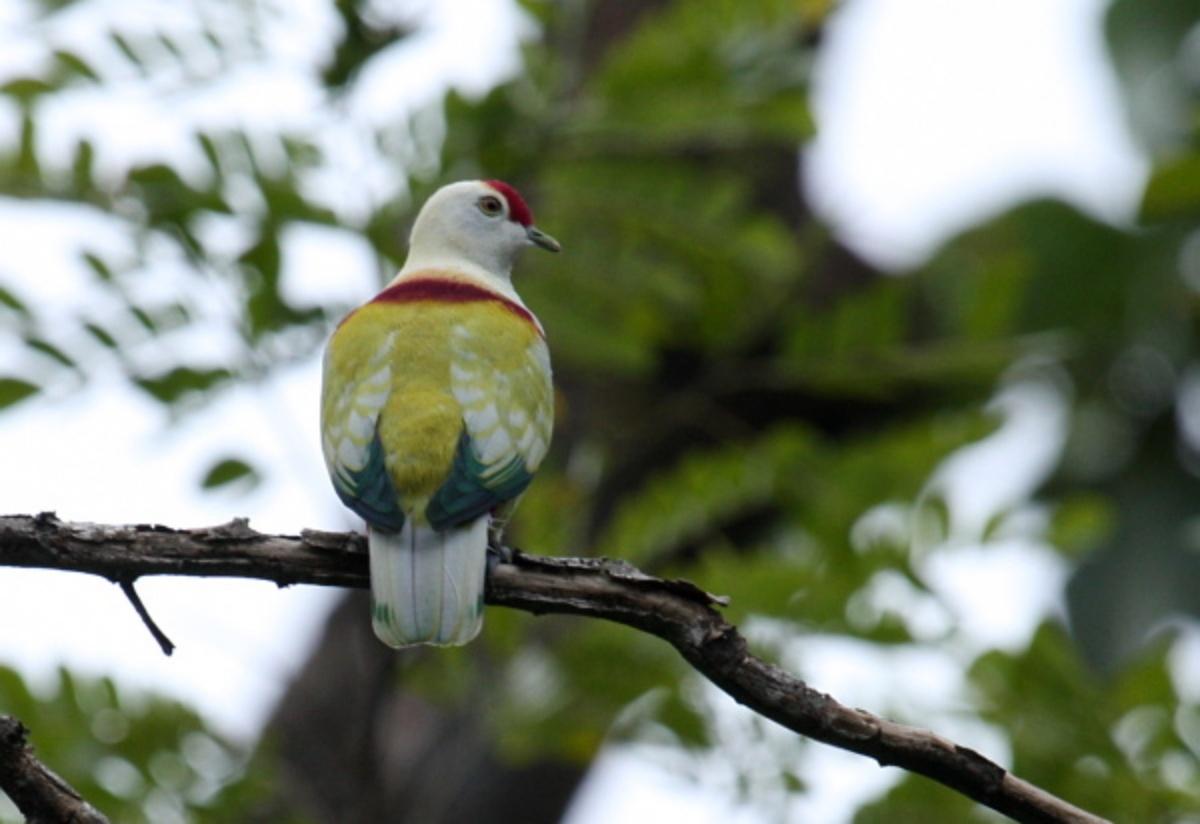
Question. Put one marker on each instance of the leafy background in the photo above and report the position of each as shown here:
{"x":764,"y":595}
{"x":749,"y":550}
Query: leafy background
{"x":743,"y":402}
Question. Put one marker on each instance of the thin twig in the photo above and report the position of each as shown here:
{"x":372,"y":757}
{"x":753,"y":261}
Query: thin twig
{"x":164,"y":643}
{"x":676,"y":611}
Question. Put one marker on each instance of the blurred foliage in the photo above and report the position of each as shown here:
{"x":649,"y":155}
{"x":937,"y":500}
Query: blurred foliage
{"x":739,"y":396}
{"x":1118,"y":749}
{"x":139,"y":758}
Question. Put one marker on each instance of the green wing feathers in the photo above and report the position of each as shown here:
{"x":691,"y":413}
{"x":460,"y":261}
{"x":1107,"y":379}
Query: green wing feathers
{"x":354,"y":392}
{"x":369,"y":491}
{"x":507,"y":410}
{"x":474,"y":488}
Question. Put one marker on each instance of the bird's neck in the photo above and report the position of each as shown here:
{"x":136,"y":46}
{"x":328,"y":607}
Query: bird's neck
{"x":451,"y":267}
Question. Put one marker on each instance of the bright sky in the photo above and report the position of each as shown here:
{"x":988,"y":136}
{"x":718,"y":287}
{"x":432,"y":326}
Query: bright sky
{"x":932,"y":113}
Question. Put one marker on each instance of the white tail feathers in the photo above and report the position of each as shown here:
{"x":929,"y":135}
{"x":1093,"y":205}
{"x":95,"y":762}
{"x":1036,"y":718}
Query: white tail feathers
{"x":427,"y":586}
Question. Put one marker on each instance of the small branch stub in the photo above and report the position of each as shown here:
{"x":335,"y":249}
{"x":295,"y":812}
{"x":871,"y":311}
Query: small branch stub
{"x":160,"y":637}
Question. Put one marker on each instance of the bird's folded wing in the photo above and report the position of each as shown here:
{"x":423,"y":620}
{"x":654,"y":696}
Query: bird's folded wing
{"x":350,"y":439}
{"x":508,"y":413}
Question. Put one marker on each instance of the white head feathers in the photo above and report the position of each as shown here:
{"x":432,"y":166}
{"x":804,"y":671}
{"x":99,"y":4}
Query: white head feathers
{"x":473,"y":225}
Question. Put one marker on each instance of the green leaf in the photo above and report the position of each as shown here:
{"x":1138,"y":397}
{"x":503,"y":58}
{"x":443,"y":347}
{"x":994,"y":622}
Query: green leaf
{"x":82,"y":165}
{"x":101,"y":269}
{"x":211,"y":153}
{"x":171,"y":47}
{"x":126,"y":48}
{"x":26,"y":89}
{"x":169,"y":198}
{"x":15,"y":390}
{"x":663,"y":83}
{"x":1081,"y":523}
{"x":362,"y":36}
{"x":684,"y":719}
{"x":693,"y":500}
{"x":1174,"y":190}
{"x":50,"y":350}
{"x":143,"y":318}
{"x":286,"y":202}
{"x":27,"y":159}
{"x":264,"y":256}
{"x":102,"y":335}
{"x":72,"y":65}
{"x":182,"y":381}
{"x":14,"y":303}
{"x":229,"y":470}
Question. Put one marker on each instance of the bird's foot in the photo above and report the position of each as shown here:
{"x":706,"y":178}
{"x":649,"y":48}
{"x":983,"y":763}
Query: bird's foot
{"x":498,"y":553}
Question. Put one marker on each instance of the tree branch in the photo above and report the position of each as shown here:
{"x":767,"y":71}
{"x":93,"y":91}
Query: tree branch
{"x":676,"y":611}
{"x":40,"y":795}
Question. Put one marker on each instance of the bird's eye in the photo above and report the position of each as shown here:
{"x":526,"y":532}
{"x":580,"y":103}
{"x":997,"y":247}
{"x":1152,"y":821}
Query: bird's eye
{"x":491,"y":206}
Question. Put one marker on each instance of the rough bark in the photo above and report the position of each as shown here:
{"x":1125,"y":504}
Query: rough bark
{"x":40,"y":795}
{"x":676,"y":611}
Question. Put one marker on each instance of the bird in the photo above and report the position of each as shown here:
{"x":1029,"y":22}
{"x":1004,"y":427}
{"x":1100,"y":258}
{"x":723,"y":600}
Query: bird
{"x":437,"y":408}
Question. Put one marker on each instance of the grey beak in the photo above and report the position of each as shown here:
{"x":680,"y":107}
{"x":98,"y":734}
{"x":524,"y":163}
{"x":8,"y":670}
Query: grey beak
{"x":539,"y":238}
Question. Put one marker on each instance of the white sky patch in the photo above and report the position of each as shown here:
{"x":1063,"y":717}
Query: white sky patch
{"x":998,"y":593}
{"x":906,"y":680}
{"x":15,"y":12}
{"x":628,"y":785}
{"x":838,"y":782}
{"x":1014,"y":459}
{"x":43,"y":242}
{"x":301,"y":32}
{"x":890,"y":594}
{"x":470,"y":45}
{"x":1185,"y":667}
{"x":236,"y":100}
{"x":327,"y":266}
{"x":124,"y":127}
{"x":19,"y":56}
{"x":932,"y":113}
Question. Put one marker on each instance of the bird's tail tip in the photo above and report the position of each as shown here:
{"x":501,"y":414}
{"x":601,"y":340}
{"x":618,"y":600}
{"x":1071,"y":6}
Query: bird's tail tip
{"x":426,"y":585}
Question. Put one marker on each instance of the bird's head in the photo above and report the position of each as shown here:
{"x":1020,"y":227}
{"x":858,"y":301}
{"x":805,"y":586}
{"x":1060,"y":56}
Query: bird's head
{"x":483,"y":222}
